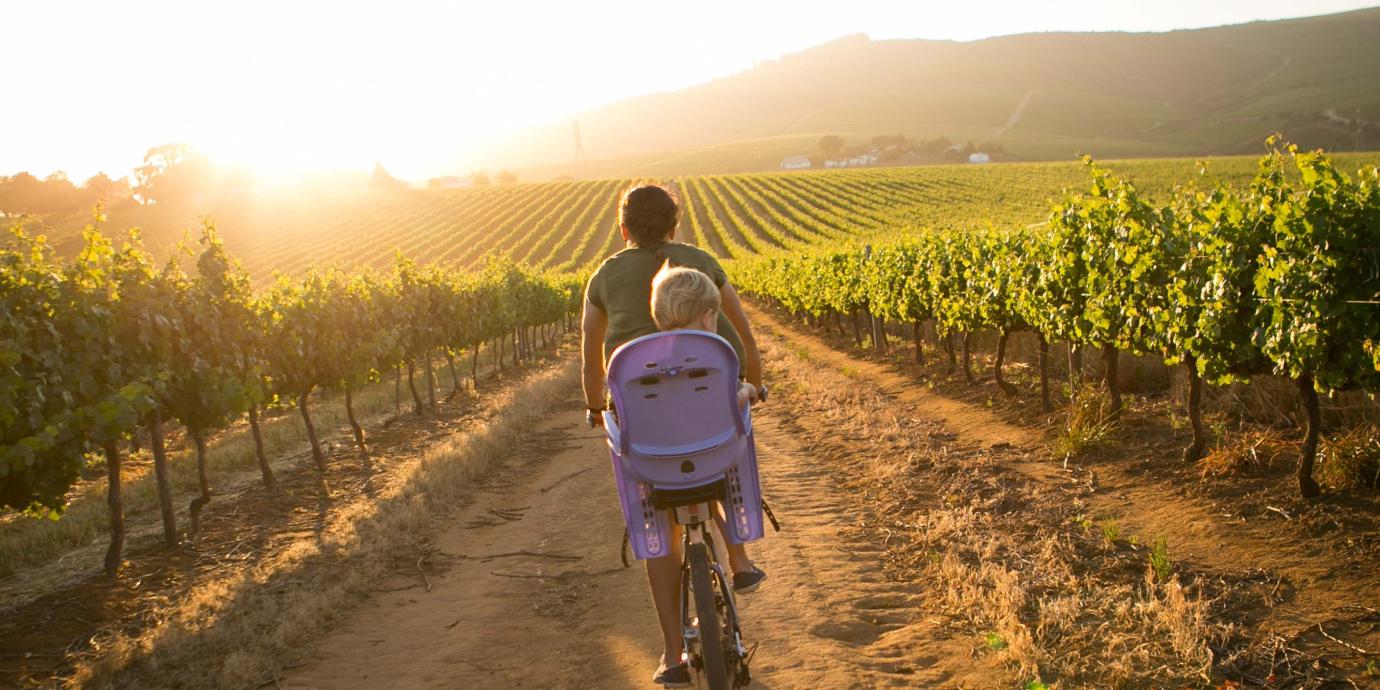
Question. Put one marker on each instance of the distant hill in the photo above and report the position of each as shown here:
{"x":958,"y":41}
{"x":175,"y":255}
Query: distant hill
{"x":1042,"y":96}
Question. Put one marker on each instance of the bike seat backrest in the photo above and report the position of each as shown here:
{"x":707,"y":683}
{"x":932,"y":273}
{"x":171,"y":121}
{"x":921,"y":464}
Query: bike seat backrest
{"x":676,"y":393}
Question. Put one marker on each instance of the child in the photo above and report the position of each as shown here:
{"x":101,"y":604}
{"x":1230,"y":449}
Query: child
{"x":686,"y":299}
{"x":683,"y":298}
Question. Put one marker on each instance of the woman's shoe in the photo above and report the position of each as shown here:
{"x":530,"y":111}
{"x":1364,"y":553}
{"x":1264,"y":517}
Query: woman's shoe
{"x":746,"y":583}
{"x":677,"y":676}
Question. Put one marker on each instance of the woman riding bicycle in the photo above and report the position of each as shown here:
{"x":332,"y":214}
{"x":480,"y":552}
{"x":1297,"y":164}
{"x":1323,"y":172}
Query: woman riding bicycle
{"x":618,"y":309}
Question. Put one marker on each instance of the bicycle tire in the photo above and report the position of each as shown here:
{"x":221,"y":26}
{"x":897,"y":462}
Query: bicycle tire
{"x":711,"y":637}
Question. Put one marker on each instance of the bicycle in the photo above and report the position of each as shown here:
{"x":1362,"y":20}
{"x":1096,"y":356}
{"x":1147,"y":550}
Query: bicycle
{"x":680,"y":447}
{"x":713,"y":639}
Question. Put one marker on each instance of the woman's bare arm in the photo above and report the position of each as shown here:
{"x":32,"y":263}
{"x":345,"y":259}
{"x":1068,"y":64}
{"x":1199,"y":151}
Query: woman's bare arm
{"x":593,"y":325}
{"x":733,"y":309}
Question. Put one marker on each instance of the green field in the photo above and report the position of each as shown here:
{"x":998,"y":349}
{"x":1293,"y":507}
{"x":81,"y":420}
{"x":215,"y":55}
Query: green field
{"x":567,"y":225}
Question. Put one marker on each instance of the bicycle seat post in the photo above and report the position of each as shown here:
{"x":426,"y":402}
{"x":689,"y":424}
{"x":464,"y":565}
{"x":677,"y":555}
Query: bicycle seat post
{"x":693,"y":515}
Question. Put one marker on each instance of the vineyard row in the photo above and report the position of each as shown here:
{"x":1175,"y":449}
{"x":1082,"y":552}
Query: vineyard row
{"x":109,"y":345}
{"x":1281,"y":278}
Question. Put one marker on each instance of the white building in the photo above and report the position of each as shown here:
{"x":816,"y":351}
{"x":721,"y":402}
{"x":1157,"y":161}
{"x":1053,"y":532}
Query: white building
{"x":795,"y":163}
{"x":870,"y":158}
{"x":979,"y":157}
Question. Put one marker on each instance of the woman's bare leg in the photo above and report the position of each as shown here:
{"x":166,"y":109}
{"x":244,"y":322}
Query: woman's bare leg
{"x":663,"y":574}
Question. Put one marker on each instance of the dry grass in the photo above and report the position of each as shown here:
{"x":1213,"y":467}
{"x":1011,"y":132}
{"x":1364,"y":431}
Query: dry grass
{"x":1243,"y":454}
{"x":1351,"y":460}
{"x":1087,"y":425}
{"x":1010,"y":560}
{"x":1067,"y":609}
{"x":278,"y":607}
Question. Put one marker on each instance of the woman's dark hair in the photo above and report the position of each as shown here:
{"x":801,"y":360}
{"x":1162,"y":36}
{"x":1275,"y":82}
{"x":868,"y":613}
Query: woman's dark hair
{"x":649,"y":212}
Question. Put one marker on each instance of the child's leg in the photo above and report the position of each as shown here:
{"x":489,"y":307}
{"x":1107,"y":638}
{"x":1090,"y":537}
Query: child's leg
{"x":663,"y":574}
{"x":738,"y":558}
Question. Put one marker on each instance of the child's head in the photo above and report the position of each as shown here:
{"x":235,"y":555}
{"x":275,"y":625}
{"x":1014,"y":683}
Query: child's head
{"x":684,"y":298}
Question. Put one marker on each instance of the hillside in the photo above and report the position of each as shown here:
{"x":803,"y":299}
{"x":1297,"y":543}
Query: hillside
{"x":1193,"y":92}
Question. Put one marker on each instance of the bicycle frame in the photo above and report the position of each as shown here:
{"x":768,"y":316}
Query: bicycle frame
{"x":696,"y":519}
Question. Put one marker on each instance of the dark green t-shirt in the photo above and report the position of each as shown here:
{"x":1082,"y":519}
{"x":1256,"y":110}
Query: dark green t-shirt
{"x":622,"y":287}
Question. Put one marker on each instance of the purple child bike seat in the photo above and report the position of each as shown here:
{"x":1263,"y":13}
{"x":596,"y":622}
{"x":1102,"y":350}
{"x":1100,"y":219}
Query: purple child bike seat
{"x":678,"y":426}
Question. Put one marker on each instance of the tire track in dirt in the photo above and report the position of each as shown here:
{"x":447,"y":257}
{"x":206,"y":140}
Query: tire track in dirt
{"x":1315,"y":585}
{"x":534,"y":593}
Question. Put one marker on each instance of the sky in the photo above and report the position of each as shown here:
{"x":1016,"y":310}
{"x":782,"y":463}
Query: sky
{"x":286,"y":86}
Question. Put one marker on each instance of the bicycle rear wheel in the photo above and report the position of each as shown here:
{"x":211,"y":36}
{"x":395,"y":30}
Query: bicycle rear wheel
{"x":706,"y":608}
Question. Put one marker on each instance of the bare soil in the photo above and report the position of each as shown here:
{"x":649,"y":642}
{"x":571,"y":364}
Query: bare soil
{"x":534,"y":593}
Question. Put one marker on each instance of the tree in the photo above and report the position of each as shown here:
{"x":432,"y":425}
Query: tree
{"x":1104,"y":274}
{"x":506,"y":177}
{"x":354,"y":318}
{"x":1023,"y":260}
{"x":67,"y":383}
{"x":1209,"y":313}
{"x":479,"y":178}
{"x":950,"y":270}
{"x":99,"y":188}
{"x":16,"y":193}
{"x":934,"y":147}
{"x":886,"y":277}
{"x":252,"y":365}
{"x":147,"y":324}
{"x":416,"y":336}
{"x":207,"y":388}
{"x":1125,"y":251}
{"x":299,"y":343}
{"x":381,"y":181}
{"x":1001,"y":274}
{"x":830,"y":145}
{"x":41,"y":453}
{"x":114,"y":393}
{"x":892,"y":147}
{"x":171,"y":172}
{"x":1317,"y":286}
{"x":23,"y":193}
{"x":58,"y":195}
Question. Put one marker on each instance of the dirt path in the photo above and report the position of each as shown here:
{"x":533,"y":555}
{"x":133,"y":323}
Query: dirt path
{"x":535,"y":593}
{"x":1015,"y":116}
{"x":526,"y":589}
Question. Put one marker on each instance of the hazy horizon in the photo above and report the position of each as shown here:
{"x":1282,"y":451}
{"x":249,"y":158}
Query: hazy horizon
{"x":425,"y":87}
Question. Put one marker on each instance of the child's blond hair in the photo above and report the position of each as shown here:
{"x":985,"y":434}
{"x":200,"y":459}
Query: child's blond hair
{"x":681,"y":296}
